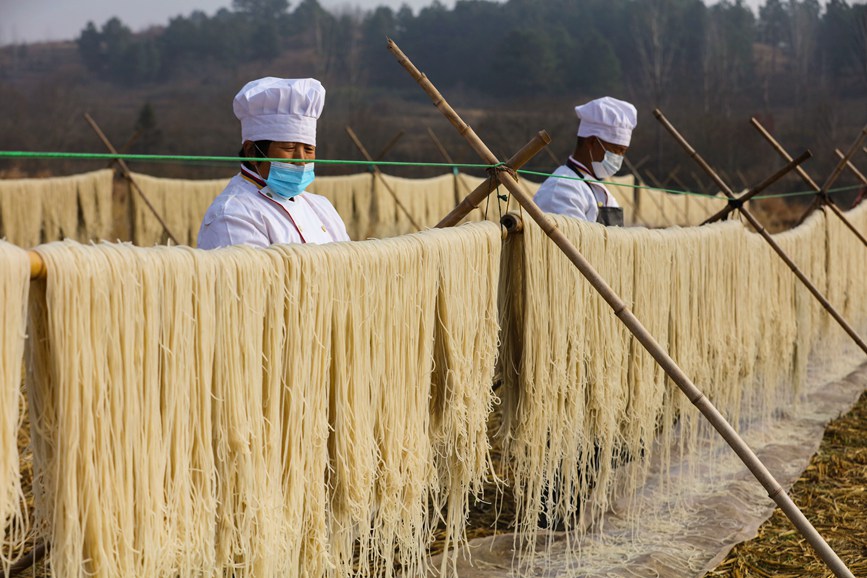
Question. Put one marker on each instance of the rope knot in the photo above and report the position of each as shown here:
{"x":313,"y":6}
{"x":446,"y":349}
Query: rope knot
{"x":502,"y":167}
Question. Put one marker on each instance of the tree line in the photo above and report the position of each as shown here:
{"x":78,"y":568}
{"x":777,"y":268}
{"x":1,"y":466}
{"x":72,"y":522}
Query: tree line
{"x":518,"y":48}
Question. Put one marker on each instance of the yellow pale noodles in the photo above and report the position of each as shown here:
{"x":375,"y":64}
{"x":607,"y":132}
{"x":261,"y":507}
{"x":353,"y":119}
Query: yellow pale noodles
{"x":352,"y":197}
{"x":582,"y":396}
{"x":426,"y":201}
{"x":180,"y":203}
{"x":14,"y":285}
{"x":291,"y":411}
{"x":659,"y":209}
{"x":34,"y":211}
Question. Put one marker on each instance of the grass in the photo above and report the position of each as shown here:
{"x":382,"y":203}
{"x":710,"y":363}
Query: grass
{"x":832,"y":493}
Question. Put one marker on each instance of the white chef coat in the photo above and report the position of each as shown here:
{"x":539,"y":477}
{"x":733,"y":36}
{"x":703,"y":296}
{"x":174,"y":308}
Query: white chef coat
{"x":569,"y":196}
{"x":247,"y":213}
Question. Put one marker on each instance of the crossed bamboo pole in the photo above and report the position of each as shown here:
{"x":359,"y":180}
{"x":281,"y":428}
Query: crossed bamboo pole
{"x":761,"y":230}
{"x":858,"y":174}
{"x":378,"y":174}
{"x":852,"y":167}
{"x":822,"y":198}
{"x":735,"y":204}
{"x":124,"y":169}
{"x":823,"y":190}
{"x":622,"y":311}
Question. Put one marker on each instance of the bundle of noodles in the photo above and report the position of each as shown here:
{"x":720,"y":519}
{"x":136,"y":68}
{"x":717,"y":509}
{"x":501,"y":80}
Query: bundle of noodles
{"x":40,"y":210}
{"x":842,"y":264}
{"x":260,"y":412}
{"x":650,"y":208}
{"x":580,"y":393}
{"x":700,"y":207}
{"x":351,"y":196}
{"x":657,"y":208}
{"x":14,"y":285}
{"x":426,"y":200}
{"x":180,"y":202}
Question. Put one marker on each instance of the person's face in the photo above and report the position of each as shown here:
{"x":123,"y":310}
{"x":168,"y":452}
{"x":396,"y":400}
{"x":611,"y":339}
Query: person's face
{"x":284,"y":150}
{"x":599,"y":147}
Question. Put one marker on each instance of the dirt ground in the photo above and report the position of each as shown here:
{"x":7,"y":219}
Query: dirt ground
{"x":832,"y":493}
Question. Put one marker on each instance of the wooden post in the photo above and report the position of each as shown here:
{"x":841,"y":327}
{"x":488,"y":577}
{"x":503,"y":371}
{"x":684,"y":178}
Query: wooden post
{"x":128,"y":176}
{"x":806,"y":178}
{"x":378,"y":175}
{"x":622,"y":311}
{"x":472,"y":200}
{"x":735,"y":204}
{"x":764,"y":234}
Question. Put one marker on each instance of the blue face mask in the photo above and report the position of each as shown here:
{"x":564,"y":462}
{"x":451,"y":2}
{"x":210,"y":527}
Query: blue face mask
{"x":609,"y":166}
{"x":287,"y":180}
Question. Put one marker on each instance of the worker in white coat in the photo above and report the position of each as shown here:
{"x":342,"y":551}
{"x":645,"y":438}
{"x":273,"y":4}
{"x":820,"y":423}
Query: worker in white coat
{"x":604,"y":134}
{"x":267,"y":203}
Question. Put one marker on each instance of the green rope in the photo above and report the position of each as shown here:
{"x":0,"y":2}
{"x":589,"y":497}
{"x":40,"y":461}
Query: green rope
{"x":685,"y":193}
{"x":371,"y":164}
{"x":191,"y":158}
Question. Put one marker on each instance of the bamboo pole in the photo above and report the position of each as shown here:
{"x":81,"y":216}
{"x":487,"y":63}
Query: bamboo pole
{"x":472,"y":200}
{"x":125,"y":148}
{"x":461,"y":187}
{"x":701,"y":184}
{"x":128,"y":176}
{"x":735,"y":204}
{"x":823,"y":198}
{"x":782,"y":152}
{"x":761,"y":231}
{"x":852,"y":167}
{"x":622,"y":311}
{"x":378,"y":175}
{"x":439,"y":145}
{"x":513,"y":223}
{"x":390,"y":145}
{"x":807,"y":179}
{"x":553,"y":157}
{"x":837,"y":211}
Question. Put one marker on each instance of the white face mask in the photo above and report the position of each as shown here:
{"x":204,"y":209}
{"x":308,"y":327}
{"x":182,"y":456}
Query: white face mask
{"x":609,"y":166}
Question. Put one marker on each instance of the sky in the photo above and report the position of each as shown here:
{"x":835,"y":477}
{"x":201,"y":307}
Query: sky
{"x":26,"y":21}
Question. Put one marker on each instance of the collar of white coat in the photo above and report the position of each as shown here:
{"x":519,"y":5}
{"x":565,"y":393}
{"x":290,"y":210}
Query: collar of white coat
{"x":262,"y":187}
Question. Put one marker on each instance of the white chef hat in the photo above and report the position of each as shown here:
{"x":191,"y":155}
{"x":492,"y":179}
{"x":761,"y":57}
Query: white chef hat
{"x":280,"y":109}
{"x":609,"y":119}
